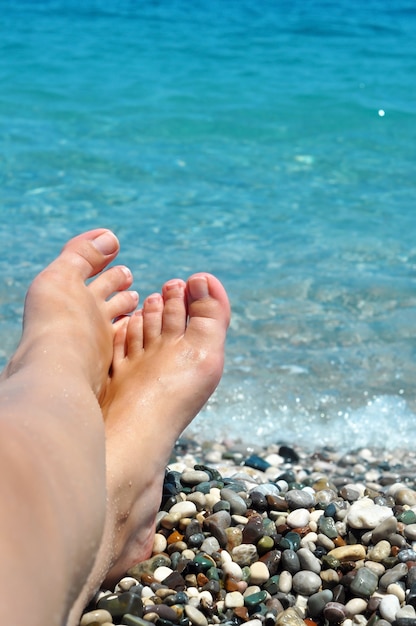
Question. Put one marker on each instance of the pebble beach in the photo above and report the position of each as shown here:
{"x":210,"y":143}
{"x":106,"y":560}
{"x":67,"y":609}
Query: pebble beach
{"x":275,"y":536}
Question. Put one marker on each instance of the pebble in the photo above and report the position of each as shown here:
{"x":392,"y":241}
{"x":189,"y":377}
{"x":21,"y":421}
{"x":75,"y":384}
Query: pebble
{"x":326,"y":538}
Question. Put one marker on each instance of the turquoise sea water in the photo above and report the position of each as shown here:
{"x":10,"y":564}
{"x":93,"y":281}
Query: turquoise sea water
{"x":271,"y":143}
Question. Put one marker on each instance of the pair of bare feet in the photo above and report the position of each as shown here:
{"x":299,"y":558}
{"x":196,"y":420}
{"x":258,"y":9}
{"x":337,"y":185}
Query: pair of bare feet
{"x":109,"y":399}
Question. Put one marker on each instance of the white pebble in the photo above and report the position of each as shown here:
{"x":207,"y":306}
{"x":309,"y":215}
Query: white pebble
{"x":388,"y":607}
{"x":147,"y":592}
{"x":285,"y":582}
{"x":356,"y":606}
{"x":184,"y":509}
{"x":234,"y":599}
{"x":233,"y":569}
{"x":398,"y":591}
{"x":407,"y":611}
{"x":161,"y":573}
{"x":159,"y":543}
{"x":365,"y":514}
{"x":298,"y":518}
{"x":259,"y":573}
{"x":195,"y":616}
{"x":253,"y":622}
{"x":251,"y":589}
{"x":100,"y":616}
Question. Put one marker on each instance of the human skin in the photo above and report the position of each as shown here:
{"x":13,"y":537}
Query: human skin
{"x":74,"y":509}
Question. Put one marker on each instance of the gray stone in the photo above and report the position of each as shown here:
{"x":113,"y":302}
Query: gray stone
{"x":309,"y":561}
{"x":236,"y":502}
{"x":318,"y":601}
{"x":306,"y":583}
{"x":299,"y":499}
{"x":364,"y":583}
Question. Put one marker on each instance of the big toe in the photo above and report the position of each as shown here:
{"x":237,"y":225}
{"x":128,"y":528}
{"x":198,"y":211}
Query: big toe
{"x":89,"y":252}
{"x":208,"y":305}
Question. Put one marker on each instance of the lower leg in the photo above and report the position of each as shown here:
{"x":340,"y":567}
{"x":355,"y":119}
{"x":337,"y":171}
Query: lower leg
{"x":52,"y":461}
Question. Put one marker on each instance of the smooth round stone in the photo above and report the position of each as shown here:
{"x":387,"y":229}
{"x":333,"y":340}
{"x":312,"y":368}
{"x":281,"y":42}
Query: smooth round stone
{"x":121,"y":604}
{"x":258,"y":501}
{"x":161,"y":573}
{"x":290,"y":561}
{"x":256,"y":462}
{"x":406,"y":612}
{"x":193,"y":477}
{"x":285,"y":582}
{"x":389,"y":607}
{"x":253,"y":622}
{"x":267,"y":489}
{"x":327,"y":527}
{"x":183,"y":509}
{"x":254,"y":599}
{"x":392,"y":575}
{"x":234,"y":599}
{"x":405,"y":496}
{"x":163,"y":611}
{"x":236,"y":502}
{"x":298,"y":518}
{"x":308,"y":561}
{"x":365,"y":514}
{"x":198,"y":498}
{"x":210,"y":545}
{"x":364,"y":583}
{"x":99,"y":616}
{"x":232,"y":569}
{"x":335,"y":612}
{"x":384,"y":529}
{"x":244,"y":554}
{"x":306,"y":583}
{"x":299,"y":499}
{"x":159,"y":543}
{"x":380,"y":551}
{"x":265,"y":544}
{"x":410,"y":531}
{"x":397,"y":590}
{"x":317,"y":602}
{"x":356,"y":606}
{"x":195,"y":616}
{"x":354,"y":552}
{"x":259,"y":573}
{"x":291,"y":541}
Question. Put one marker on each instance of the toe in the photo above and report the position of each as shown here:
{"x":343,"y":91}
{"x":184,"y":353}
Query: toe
{"x":174,"y":312}
{"x":135,"y":334}
{"x":207,"y":300}
{"x":120,"y":335}
{"x":122,"y":303}
{"x":152,"y":318}
{"x":90,"y":252}
{"x":114,"y":279}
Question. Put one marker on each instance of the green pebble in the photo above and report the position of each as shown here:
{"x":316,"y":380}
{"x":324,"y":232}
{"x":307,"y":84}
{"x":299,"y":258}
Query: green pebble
{"x":204,"y":487}
{"x":213,"y":473}
{"x":291,"y":541}
{"x":265,"y":544}
{"x":272,"y":585}
{"x":123,"y":603}
{"x":296,"y":486}
{"x":255,"y":598}
{"x":390,"y":562}
{"x":268,"y":526}
{"x":246,"y":573}
{"x":203,"y":561}
{"x":213,"y":573}
{"x":327,"y":527}
{"x":407,"y":517}
{"x":330,"y":562}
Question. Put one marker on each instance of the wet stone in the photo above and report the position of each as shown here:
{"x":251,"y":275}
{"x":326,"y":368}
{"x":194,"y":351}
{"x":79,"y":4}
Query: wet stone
{"x":99,"y":616}
{"x":258,"y":501}
{"x":118,"y":605}
{"x":299,"y":499}
{"x":290,"y":561}
{"x":335,"y":612}
{"x":327,"y":527}
{"x":256,"y":462}
{"x":306,"y":583}
{"x":364,"y":583}
{"x":291,"y":541}
{"x":318,"y":601}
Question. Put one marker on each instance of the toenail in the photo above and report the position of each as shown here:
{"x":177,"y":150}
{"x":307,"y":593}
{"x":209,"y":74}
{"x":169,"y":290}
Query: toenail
{"x":106,"y":243}
{"x":198,"y":287}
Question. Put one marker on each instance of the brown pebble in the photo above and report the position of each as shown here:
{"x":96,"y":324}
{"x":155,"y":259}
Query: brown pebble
{"x":241,"y":612}
{"x":201,"y":579}
{"x":339,"y":541}
{"x":174,"y":537}
{"x":231,"y":584}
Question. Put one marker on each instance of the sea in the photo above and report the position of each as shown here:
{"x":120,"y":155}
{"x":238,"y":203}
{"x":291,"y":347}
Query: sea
{"x":272,"y":143}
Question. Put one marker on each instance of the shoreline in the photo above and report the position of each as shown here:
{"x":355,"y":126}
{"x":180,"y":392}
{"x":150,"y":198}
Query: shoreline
{"x":275,"y":536}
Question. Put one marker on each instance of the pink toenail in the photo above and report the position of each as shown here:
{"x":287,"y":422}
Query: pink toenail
{"x":198,"y":287}
{"x":106,"y":243}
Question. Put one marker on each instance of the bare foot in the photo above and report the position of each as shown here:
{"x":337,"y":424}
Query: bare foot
{"x":52,"y":456}
{"x":67,"y":321}
{"x":167,"y":362}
